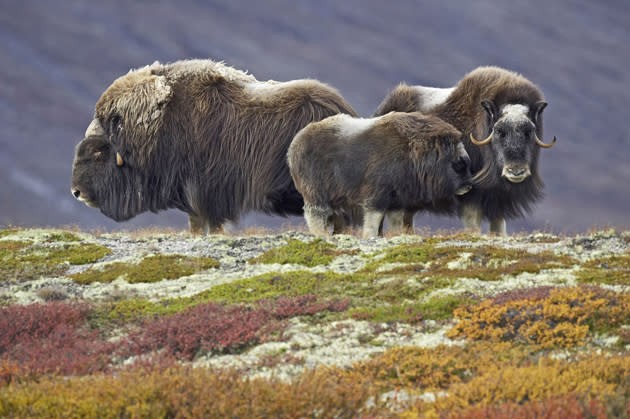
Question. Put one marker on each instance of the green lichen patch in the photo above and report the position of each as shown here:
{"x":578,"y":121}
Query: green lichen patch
{"x":613,"y":270}
{"x":316,"y":252}
{"x":150,"y":269}
{"x":41,"y":235}
{"x":21,"y":261}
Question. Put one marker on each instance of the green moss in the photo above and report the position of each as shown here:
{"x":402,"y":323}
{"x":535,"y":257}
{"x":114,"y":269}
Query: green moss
{"x":416,"y":254}
{"x":122,"y":312}
{"x":73,"y":254}
{"x":462,"y":236}
{"x":544,"y":238}
{"x":62,"y":236}
{"x":274,"y":285}
{"x":613,"y":270}
{"x":363,"y":290}
{"x":316,"y":252}
{"x":7,"y":300}
{"x":21,"y":261}
{"x":435,"y":309}
{"x":394,"y":290}
{"x":11,"y":245}
{"x":4,"y":233}
{"x":151,"y":269}
{"x":485,"y":263}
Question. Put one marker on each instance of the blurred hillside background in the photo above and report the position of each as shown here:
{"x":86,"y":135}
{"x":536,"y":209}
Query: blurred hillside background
{"x":58,"y":56}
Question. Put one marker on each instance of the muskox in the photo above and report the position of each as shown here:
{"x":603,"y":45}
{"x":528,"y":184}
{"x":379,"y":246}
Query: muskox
{"x":505,"y":110}
{"x":393,"y":163}
{"x":198,"y":136}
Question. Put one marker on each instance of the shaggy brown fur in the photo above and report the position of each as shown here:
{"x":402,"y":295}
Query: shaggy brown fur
{"x":198,"y":136}
{"x":496,"y":197}
{"x":401,"y":161}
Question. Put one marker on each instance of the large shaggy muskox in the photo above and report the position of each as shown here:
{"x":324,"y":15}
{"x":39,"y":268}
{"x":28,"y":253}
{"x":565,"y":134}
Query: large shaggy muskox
{"x":503,"y":108}
{"x":393,"y":163}
{"x":199,"y":136}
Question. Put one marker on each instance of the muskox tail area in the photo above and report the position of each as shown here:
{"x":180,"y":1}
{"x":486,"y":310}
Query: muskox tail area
{"x":402,"y":99}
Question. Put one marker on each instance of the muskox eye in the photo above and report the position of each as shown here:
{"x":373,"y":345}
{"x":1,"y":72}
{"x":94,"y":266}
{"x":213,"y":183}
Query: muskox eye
{"x":459,"y":166}
{"x":526,"y":130}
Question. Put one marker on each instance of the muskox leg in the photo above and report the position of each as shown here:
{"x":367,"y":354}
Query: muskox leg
{"x":201,"y":225}
{"x":395,"y":220}
{"x":400,"y":222}
{"x":471,"y":215}
{"x":408,"y":222}
{"x":317,"y":219}
{"x":497,"y":226}
{"x":339,"y":223}
{"x":372,"y":220}
{"x":197,"y":224}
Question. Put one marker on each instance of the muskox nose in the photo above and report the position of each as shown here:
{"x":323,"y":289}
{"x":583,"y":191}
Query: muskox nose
{"x":76,"y":193}
{"x":516,"y":172}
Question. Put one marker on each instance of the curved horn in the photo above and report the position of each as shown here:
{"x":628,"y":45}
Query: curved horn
{"x":543,"y":145}
{"x":119,"y":160}
{"x":484,"y":142}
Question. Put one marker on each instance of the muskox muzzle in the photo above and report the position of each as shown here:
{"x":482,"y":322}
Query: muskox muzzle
{"x":516,"y":173}
{"x":76,"y":192}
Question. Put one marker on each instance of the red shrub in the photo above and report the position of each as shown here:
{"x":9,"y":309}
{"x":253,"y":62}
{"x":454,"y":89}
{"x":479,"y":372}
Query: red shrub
{"x":532,"y":294}
{"x":217,"y":328}
{"x":51,"y":337}
{"x":207,"y":327}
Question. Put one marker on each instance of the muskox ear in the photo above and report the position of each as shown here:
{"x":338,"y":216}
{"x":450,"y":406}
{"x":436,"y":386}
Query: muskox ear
{"x":539,"y":107}
{"x":490,"y":108}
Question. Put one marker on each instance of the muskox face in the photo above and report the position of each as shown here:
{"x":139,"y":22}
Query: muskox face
{"x":459,"y":170}
{"x":100,"y":178}
{"x":445,"y":172}
{"x":514,"y":138}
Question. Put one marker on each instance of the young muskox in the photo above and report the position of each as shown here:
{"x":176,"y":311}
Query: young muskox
{"x":503,"y":108}
{"x":198,"y":136}
{"x":400,"y":161}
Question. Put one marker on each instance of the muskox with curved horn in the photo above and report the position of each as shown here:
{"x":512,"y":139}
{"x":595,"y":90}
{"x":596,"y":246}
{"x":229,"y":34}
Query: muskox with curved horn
{"x":499,"y":113}
{"x":199,"y":136}
{"x":393,"y":163}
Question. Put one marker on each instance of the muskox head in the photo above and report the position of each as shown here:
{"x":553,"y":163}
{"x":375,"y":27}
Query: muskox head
{"x":514,"y":139}
{"x":112,"y":164}
{"x":444,"y":171}
{"x":461,"y":168}
{"x":100,"y":178}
